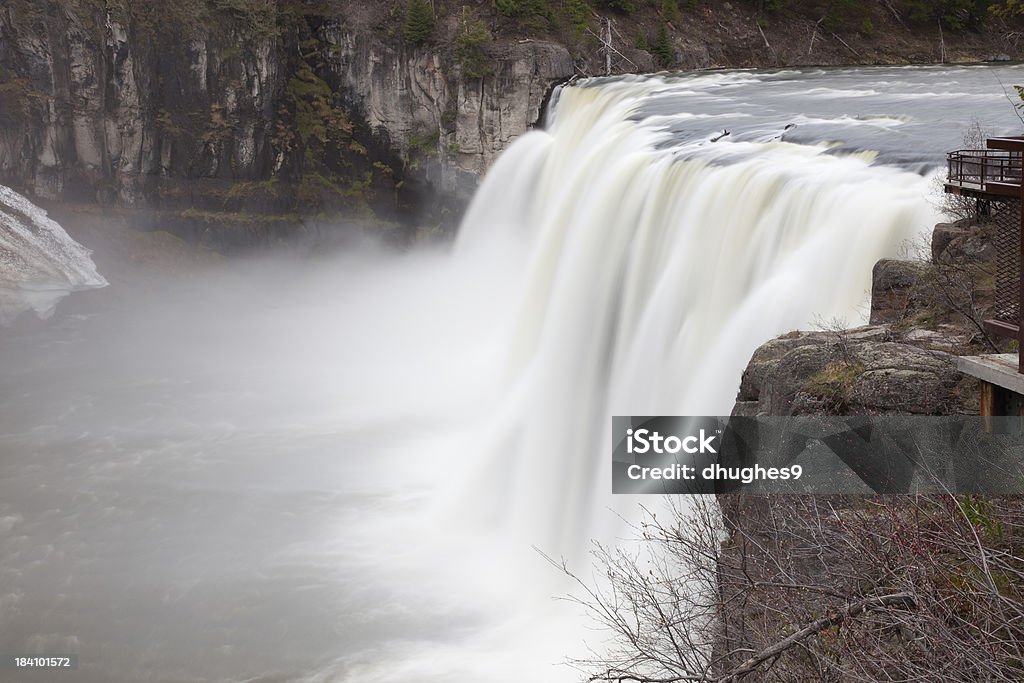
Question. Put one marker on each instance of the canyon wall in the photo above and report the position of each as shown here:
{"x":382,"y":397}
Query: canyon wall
{"x":232,"y":121}
{"x":252,"y":119}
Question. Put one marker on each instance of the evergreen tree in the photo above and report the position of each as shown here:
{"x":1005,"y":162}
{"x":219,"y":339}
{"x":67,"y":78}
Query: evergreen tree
{"x":669,"y":10}
{"x":419,"y":22}
{"x":663,"y":51}
{"x":577,"y":13}
{"x":471,"y":42}
{"x":626,"y":7}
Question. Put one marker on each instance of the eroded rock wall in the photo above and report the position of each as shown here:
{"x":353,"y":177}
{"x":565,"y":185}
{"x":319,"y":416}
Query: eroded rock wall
{"x":292,"y":112}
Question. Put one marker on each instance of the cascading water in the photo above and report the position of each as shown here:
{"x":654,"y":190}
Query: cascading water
{"x":39,"y":263}
{"x":335,"y":468}
{"x":655,"y":263}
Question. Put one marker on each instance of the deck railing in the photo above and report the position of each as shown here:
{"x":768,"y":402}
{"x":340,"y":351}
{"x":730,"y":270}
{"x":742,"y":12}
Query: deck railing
{"x":980,"y":167}
{"x":994,"y":177}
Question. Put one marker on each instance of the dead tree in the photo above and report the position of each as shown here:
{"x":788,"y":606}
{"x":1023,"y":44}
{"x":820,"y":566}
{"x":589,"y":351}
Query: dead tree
{"x":786,"y":588}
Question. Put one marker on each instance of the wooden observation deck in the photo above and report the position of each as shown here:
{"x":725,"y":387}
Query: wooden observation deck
{"x":993,"y":176}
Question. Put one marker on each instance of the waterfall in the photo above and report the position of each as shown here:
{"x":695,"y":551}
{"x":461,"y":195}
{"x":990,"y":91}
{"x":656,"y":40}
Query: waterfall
{"x":39,"y":263}
{"x":654,"y":260}
{"x":353,"y":454}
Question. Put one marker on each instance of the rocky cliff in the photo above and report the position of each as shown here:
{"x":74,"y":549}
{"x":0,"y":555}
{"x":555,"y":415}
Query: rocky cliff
{"x":254,"y":113}
{"x":416,"y":99}
{"x":237,"y":119}
{"x":924,"y":314}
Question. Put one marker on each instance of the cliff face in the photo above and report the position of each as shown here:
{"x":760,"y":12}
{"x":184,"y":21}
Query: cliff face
{"x":256,"y":114}
{"x":251,"y":118}
{"x":96,"y":109}
{"x":420,"y":103}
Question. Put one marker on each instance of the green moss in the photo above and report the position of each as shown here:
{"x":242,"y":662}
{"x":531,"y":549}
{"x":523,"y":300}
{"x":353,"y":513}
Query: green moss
{"x":255,"y":18}
{"x":243,"y":190}
{"x":237,"y":216}
{"x":424,"y":144}
{"x":17,"y":99}
{"x":318,"y":118}
{"x":834,"y":383}
{"x":448,"y":119}
{"x":317,"y":189}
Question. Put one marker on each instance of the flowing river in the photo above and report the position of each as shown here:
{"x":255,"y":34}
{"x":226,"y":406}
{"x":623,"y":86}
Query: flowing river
{"x":338,"y":467}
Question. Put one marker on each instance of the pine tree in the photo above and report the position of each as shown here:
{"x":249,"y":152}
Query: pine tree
{"x":663,"y":52}
{"x":471,"y":41}
{"x":577,"y":13}
{"x":419,"y":22}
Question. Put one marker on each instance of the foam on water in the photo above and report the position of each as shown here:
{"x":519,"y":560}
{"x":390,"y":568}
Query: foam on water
{"x":39,"y":263}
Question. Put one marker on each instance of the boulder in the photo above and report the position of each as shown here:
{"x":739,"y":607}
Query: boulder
{"x":893,"y":285}
{"x":863,"y":371}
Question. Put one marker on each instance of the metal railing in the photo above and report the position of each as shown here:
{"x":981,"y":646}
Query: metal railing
{"x":979,"y":167}
{"x":995,"y":178}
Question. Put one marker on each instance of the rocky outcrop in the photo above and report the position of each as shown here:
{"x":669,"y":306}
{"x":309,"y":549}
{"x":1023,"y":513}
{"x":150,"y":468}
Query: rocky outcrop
{"x":924,"y":314}
{"x":427,"y":107}
{"x":965,"y":241}
{"x":864,"y":371}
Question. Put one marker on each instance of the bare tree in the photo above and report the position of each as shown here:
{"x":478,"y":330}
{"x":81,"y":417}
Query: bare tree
{"x":957,"y":207}
{"x":793,"y":588}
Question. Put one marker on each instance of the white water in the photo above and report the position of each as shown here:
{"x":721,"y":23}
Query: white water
{"x":334,"y":469}
{"x":653,"y":270}
{"x":39,"y":263}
